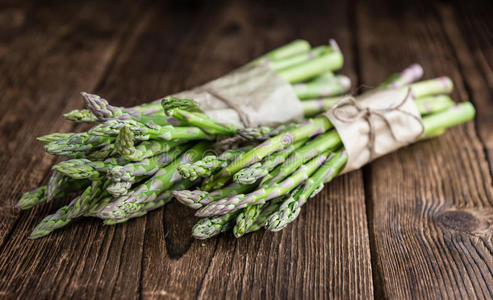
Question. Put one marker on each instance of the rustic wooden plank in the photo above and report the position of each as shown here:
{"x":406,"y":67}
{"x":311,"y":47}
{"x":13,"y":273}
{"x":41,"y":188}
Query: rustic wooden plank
{"x":27,"y":69}
{"x":324,"y":253}
{"x":75,"y":62}
{"x":469,"y":28}
{"x":430,"y":205}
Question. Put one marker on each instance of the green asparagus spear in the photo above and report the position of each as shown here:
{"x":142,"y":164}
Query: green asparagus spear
{"x":209,"y":227}
{"x":197,"y":198}
{"x":122,"y":177}
{"x":308,"y":129}
{"x":149,"y":131}
{"x":293,"y":48}
{"x":322,"y":87}
{"x":152,"y":188}
{"x":125,"y":146}
{"x":263,"y":194}
{"x":194,"y":118}
{"x":255,"y":216}
{"x":332,"y":60}
{"x":53,"y":137}
{"x":258,"y":170}
{"x":32,"y":198}
{"x":291,"y":207}
{"x":326,"y":141}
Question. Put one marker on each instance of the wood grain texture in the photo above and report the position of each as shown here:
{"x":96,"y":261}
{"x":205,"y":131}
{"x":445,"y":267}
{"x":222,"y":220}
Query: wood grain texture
{"x":414,"y":224}
{"x":430,"y":205}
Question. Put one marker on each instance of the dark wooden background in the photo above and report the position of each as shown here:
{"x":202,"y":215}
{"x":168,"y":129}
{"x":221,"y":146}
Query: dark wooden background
{"x":414,"y":224}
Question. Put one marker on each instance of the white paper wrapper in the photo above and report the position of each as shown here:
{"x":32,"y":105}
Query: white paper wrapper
{"x":255,"y":95}
{"x":404,"y":124}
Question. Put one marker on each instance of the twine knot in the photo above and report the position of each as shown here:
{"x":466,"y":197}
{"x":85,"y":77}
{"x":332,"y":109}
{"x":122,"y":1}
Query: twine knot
{"x":366,"y":113}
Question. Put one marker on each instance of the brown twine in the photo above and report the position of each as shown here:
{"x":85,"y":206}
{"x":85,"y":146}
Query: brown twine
{"x":366,"y":113}
{"x":245,"y":120}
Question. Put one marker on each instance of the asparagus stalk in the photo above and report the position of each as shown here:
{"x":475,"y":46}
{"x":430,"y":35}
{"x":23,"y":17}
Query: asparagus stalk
{"x":293,"y":48}
{"x":84,"y":168}
{"x":32,"y":198}
{"x":183,"y":110}
{"x":254,"y":217}
{"x":251,"y":174}
{"x":263,"y":194}
{"x":81,"y":116}
{"x":150,"y":190}
{"x":132,"y":209}
{"x":125,"y":146}
{"x":322,"y":86}
{"x":148,"y":131}
{"x":291,"y":207}
{"x":52,"y":222}
{"x":77,"y":142}
{"x":406,"y":77}
{"x":208,"y":165}
{"x":267,"y":210}
{"x":432,"y":104}
{"x":308,"y":129}
{"x":53,"y":137}
{"x":197,"y":198}
{"x":208,"y":227}
{"x":326,"y":141}
{"x":300,"y":58}
{"x":329,"y":61}
{"x":420,"y":90}
{"x":122,"y":177}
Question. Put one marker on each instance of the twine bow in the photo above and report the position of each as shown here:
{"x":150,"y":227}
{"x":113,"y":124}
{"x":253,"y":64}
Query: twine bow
{"x":367,"y":112}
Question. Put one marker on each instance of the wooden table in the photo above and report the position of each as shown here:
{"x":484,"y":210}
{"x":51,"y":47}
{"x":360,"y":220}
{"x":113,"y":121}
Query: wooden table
{"x":413,"y":224}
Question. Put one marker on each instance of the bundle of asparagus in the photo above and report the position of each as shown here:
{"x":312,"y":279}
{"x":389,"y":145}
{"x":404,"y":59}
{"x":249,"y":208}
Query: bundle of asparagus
{"x":137,"y":159}
{"x":266,"y":186}
{"x":127,"y":164}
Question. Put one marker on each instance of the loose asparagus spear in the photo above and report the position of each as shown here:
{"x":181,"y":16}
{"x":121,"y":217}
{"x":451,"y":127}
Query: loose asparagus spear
{"x":308,"y":129}
{"x":263,"y":194}
{"x":291,"y":207}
